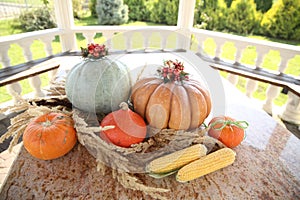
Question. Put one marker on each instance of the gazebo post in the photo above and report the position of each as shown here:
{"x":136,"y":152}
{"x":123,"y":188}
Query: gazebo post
{"x":185,"y":22}
{"x":65,"y":22}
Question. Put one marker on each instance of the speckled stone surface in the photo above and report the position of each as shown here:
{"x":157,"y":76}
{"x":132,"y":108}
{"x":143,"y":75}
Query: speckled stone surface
{"x":266,"y":167}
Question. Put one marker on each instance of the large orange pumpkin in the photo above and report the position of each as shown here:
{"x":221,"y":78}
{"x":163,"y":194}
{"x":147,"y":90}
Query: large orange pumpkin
{"x":50,"y":136}
{"x":179,"y":105}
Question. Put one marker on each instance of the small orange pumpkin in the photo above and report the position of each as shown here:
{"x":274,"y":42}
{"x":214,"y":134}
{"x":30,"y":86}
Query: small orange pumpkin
{"x":129,"y":127}
{"x":50,"y":136}
{"x":176,"y":105}
{"x":226,"y":129}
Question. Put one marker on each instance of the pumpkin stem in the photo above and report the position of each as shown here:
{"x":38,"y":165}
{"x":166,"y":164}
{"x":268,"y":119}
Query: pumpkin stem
{"x":47,"y":123}
{"x":123,"y":106}
{"x":104,"y":128}
{"x":240,"y":124}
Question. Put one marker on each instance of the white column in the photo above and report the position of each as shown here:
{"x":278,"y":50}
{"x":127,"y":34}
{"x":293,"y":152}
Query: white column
{"x":65,"y":21}
{"x":185,"y":22}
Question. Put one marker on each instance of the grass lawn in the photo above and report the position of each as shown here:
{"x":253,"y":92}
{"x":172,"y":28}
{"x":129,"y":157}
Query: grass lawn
{"x":249,"y":55}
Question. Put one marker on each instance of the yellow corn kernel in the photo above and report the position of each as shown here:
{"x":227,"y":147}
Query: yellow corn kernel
{"x":177,"y":159}
{"x":207,"y":164}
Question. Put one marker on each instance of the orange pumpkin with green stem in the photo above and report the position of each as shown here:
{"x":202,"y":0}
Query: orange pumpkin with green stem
{"x":226,"y":129}
{"x":50,"y":136}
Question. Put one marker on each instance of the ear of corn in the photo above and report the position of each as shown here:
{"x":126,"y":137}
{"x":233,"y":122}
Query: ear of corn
{"x":176,"y":160}
{"x":207,"y":164}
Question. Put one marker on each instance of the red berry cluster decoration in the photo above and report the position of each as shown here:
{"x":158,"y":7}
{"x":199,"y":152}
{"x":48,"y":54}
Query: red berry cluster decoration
{"x":173,"y":71}
{"x":94,"y":51}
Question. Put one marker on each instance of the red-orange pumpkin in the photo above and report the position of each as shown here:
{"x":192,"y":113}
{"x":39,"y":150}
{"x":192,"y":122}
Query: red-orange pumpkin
{"x":175,"y":105}
{"x":129,"y":127}
{"x":50,"y":136}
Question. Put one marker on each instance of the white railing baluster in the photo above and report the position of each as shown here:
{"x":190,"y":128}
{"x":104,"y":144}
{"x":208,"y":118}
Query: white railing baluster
{"x":25,"y":44}
{"x":13,"y":89}
{"x":219,"y":45}
{"x":35,"y":82}
{"x":164,"y":38}
{"x":108,"y":39}
{"x":251,"y":84}
{"x":273,"y":91}
{"x":146,"y":36}
{"x":48,"y":45}
{"x":200,"y":40}
{"x":233,"y":79}
{"x":240,"y":46}
{"x":49,"y":51}
{"x":128,"y":40}
{"x":89,"y":36}
{"x":291,"y":112}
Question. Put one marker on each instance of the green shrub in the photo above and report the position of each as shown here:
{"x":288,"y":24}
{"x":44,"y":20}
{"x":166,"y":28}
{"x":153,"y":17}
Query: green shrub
{"x":242,"y":17}
{"x":263,"y":5}
{"x":38,"y":19}
{"x":164,"y":12}
{"x":171,"y":13}
{"x":137,"y":10}
{"x":283,"y":20}
{"x":111,"y":12}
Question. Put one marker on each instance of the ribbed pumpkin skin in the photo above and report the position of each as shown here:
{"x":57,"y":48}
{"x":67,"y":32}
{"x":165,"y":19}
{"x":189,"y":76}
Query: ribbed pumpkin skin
{"x":171,"y":105}
{"x":98,"y":85}
{"x":50,"y":136}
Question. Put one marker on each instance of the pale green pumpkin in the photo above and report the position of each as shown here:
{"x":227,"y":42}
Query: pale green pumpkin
{"x":98,"y":85}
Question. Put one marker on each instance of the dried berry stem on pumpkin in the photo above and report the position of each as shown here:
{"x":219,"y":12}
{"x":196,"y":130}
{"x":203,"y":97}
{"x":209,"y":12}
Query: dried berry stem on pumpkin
{"x":94,"y":51}
{"x":173,"y":71}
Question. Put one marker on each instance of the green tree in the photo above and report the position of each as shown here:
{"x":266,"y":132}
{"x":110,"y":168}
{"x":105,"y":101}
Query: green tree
{"x":283,"y":20}
{"x":165,"y":12}
{"x":77,"y":8}
{"x":111,"y":12}
{"x":242,"y":17}
{"x":211,"y":15}
{"x":92,"y":7}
